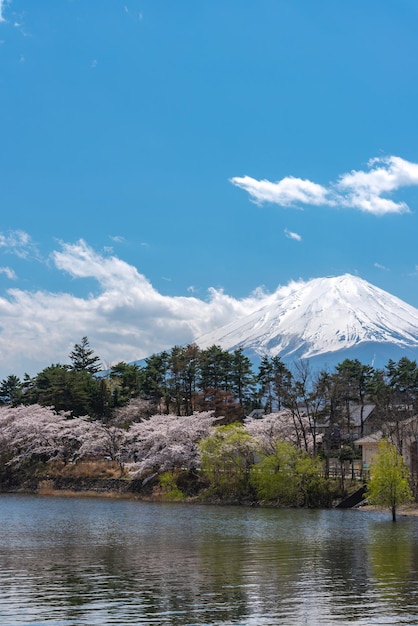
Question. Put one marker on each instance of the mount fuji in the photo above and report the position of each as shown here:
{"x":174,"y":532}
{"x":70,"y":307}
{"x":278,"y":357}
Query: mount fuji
{"x":325,"y":320}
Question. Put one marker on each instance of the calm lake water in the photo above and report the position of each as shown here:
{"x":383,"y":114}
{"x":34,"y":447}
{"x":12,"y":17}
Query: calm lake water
{"x":83,"y":561}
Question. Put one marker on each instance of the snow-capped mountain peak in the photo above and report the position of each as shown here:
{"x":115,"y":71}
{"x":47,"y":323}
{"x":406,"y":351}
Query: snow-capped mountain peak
{"x":320,"y":317}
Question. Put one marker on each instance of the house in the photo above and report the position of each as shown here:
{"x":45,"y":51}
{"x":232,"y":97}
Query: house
{"x":357,"y":421}
{"x":369,"y":447}
{"x":361,"y":419}
{"x":402,"y":433}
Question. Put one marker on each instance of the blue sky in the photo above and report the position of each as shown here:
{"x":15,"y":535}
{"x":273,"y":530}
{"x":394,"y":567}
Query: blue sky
{"x":166,"y":166}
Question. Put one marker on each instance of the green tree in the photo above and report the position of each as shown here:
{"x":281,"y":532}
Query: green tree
{"x":355,"y":382}
{"x":83,"y":358}
{"x":66,"y":389}
{"x":126,"y":381}
{"x":155,"y":385}
{"x":282,"y":381}
{"x":100,"y":397}
{"x":215,"y":369}
{"x":182,"y":378}
{"x":389,"y":479}
{"x":226,"y":459}
{"x":403,"y":382}
{"x":216,"y":382}
{"x":274,"y":477}
{"x":291,"y":477}
{"x":242,"y":379}
{"x":11,"y":389}
{"x":265,"y":378}
{"x":314,"y":489}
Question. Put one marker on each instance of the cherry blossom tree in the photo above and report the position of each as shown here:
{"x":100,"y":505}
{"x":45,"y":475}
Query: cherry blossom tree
{"x":103,"y":441}
{"x":166,"y":442}
{"x":36,"y":432}
{"x":136,"y":410}
{"x":278,"y":426}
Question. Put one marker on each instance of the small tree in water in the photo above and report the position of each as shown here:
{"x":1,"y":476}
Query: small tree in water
{"x":389,"y":479}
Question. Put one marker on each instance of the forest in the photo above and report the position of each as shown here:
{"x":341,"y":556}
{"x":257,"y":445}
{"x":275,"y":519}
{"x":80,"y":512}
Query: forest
{"x":195,"y":421}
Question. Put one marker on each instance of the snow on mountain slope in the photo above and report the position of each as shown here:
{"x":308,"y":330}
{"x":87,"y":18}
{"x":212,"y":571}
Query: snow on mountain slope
{"x":322,"y":316}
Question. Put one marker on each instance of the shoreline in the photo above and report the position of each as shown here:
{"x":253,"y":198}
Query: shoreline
{"x":61,"y":481}
{"x":406,"y":510}
{"x":410,"y":510}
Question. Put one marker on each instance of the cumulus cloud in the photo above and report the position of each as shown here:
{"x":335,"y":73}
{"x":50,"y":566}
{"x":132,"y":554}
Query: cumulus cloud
{"x":362,"y":190}
{"x":126,"y":319}
{"x":291,"y":235}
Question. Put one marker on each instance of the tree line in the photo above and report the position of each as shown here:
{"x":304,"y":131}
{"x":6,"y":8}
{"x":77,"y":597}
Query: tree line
{"x":187,"y":379}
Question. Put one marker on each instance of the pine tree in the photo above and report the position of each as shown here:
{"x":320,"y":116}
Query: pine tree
{"x":83,"y":358}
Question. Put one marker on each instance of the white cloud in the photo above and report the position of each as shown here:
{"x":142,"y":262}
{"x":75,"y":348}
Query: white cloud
{"x":287,"y":192}
{"x":291,"y":235}
{"x":7,"y":271}
{"x":19,"y":243}
{"x":379,"y":266}
{"x":126,"y":319}
{"x":362,"y":190}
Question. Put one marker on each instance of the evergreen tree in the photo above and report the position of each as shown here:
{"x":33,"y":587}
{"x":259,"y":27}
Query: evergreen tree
{"x":265,"y":378}
{"x":242,"y":379}
{"x":83,"y":358}
{"x":215,"y":381}
{"x":282,"y":381}
{"x":403,"y":382}
{"x":66,"y":389}
{"x":183,"y":364}
{"x":355,"y":379}
{"x":215,"y":369}
{"x":11,"y":389}
{"x":126,"y":379}
{"x":155,"y":379}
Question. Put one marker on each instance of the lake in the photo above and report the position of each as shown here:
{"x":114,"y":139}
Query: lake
{"x":87,"y":561}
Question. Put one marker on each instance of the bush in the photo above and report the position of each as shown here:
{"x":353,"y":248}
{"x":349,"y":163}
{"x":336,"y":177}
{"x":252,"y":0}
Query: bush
{"x":169,"y":487}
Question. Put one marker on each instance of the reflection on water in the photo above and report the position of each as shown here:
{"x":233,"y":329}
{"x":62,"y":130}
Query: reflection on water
{"x":99,"y":561}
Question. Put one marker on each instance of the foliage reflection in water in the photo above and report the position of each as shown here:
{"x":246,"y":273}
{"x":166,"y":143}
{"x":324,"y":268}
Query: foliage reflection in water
{"x":80,"y":561}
